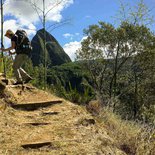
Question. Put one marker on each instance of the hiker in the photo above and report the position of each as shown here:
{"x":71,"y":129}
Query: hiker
{"x":19,"y":73}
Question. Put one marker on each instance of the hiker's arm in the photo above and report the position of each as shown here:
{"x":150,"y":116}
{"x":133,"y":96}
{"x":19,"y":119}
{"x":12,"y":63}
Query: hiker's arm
{"x":13,"y":45}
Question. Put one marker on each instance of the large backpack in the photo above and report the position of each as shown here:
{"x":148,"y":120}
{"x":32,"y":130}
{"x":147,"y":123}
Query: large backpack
{"x":23,"y":45}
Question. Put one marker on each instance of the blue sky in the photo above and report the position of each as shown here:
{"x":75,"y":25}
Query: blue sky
{"x":81,"y":13}
{"x":84,"y":13}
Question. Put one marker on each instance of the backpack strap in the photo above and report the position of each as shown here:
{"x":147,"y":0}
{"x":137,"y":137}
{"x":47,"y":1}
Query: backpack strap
{"x":22,"y":40}
{"x":24,"y":34}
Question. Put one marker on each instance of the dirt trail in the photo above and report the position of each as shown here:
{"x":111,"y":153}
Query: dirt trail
{"x":59,"y":129}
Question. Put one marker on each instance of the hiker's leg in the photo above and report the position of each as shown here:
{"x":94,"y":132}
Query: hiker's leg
{"x":18,"y":62}
{"x":24,"y":74}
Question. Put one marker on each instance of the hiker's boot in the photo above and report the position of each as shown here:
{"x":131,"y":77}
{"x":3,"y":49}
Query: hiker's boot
{"x":28,"y":79}
{"x":17,"y":83}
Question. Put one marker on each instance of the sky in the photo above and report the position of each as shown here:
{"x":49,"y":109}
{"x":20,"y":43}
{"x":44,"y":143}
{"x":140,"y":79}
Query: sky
{"x":79,"y":14}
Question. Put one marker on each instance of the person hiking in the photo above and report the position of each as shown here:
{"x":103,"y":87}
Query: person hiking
{"x":20,"y":74}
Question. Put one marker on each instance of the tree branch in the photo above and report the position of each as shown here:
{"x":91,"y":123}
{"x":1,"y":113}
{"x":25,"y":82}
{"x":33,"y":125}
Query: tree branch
{"x":58,"y":25}
{"x":58,"y":3}
{"x":34,"y":6}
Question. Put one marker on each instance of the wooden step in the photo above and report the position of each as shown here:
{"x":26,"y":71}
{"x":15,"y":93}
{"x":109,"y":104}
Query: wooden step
{"x":6,"y":81}
{"x":50,"y":113}
{"x":36,"y":145}
{"x":34,"y":106}
{"x":37,"y":123}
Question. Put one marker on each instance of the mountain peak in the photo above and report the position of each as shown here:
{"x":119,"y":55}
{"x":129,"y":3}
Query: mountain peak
{"x":55,"y":53}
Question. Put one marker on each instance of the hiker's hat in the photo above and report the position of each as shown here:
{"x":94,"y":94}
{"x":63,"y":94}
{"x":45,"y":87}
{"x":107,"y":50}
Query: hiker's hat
{"x":8,"y":32}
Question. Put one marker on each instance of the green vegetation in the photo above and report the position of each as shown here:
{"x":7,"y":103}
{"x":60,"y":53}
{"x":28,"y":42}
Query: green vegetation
{"x":8,"y":65}
{"x":69,"y":81}
{"x":120,"y":62}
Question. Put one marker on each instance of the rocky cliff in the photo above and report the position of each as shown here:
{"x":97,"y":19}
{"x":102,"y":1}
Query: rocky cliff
{"x":54,"y":52}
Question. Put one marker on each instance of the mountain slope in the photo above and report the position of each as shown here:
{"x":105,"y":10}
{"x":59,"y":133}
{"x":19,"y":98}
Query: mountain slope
{"x":61,"y":128}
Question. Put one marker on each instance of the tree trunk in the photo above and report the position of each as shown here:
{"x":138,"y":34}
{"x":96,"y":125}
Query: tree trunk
{"x":44,"y":42}
{"x":2,"y":20}
{"x":135,"y":107}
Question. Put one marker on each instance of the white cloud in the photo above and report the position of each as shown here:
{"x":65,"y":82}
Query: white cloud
{"x":77,"y":34}
{"x":67,"y":35}
{"x":72,"y":47}
{"x":70,"y":36}
{"x":9,"y":24}
{"x":14,"y":25}
{"x":87,"y":16}
{"x":24,"y":10}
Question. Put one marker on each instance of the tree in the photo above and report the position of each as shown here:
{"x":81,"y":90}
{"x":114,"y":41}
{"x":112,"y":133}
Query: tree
{"x":137,"y":14}
{"x":144,"y":73}
{"x":116,"y":47}
{"x":107,"y":49}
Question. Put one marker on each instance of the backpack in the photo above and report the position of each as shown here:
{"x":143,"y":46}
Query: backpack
{"x":23,"y":45}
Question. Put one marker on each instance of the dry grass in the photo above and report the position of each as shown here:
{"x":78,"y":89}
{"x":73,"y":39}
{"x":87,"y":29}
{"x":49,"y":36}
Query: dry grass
{"x":72,"y":130}
{"x":131,"y":137}
{"x":94,"y":107}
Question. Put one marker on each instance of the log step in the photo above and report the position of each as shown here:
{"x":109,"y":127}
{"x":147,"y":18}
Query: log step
{"x":50,"y":113}
{"x":36,"y":145}
{"x":6,"y":81}
{"x":34,"y":106}
{"x":37,"y":124}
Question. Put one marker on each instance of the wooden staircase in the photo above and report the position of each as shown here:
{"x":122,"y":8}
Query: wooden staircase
{"x":33,"y":107}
